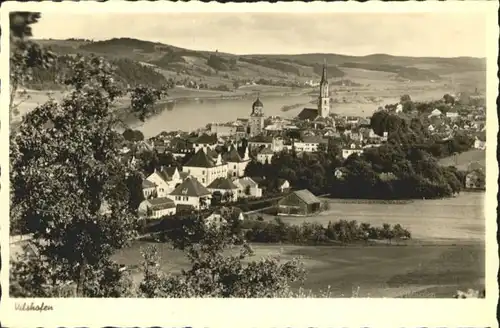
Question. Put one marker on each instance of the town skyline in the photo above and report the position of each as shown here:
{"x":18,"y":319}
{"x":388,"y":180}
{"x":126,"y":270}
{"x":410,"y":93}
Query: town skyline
{"x":409,"y":35}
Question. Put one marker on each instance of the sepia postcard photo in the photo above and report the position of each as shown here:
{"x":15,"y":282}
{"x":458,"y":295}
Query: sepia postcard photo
{"x":188,"y":153}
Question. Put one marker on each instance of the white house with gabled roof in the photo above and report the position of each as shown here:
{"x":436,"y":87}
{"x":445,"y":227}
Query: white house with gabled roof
{"x":247,"y":188}
{"x":165,"y":179}
{"x":191,"y":192}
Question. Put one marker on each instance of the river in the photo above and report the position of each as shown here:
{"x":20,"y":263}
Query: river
{"x":188,"y":115}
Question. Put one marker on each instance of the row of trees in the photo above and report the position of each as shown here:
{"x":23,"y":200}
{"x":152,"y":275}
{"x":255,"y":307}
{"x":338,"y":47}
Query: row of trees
{"x":278,"y":231}
{"x":341,"y":231}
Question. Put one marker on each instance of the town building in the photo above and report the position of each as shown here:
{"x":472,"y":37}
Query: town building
{"x":248,"y":188}
{"x":256,"y":120}
{"x":191,"y":193}
{"x":206,"y":168}
{"x":480,"y":141}
{"x":227,"y":189}
{"x":148,"y":189}
{"x":310,"y":144}
{"x":283,"y":185}
{"x":299,"y":203}
{"x":435,"y":113}
{"x":204,"y":141}
{"x":156,"y":208}
{"x":265,"y":155}
{"x":165,"y":180}
{"x":260,"y":141}
{"x":236,"y":165}
{"x":323,"y":108}
{"x":353,"y":149}
{"x":219,"y":215}
{"x":224,"y":130}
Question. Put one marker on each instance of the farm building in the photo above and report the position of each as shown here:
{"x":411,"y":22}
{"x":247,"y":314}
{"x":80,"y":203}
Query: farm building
{"x":300,"y":202}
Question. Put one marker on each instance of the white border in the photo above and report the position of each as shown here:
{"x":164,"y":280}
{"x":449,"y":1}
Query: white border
{"x":263,"y":312}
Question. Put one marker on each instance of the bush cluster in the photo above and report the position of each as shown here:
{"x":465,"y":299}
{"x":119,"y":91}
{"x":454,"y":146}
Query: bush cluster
{"x":341,"y":231}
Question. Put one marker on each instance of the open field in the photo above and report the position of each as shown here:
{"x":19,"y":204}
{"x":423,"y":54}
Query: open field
{"x":447,"y":254}
{"x":462,"y":160}
{"x":448,"y":220}
{"x":378,"y":271}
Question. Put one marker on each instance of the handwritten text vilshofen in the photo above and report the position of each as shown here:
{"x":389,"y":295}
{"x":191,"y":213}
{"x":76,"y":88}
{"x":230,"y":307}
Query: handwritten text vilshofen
{"x":26,"y":306}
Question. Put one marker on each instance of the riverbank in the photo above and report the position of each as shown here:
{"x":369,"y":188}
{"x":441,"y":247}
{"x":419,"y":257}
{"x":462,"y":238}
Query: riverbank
{"x":29,"y":98}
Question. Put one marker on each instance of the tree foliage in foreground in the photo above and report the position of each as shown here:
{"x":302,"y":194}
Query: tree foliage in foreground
{"x":25,"y":55}
{"x":68,"y":178}
{"x":220,"y":266}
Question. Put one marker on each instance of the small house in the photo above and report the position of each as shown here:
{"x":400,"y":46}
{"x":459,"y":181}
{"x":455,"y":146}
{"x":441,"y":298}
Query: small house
{"x":353,"y":149}
{"x":227,"y":189}
{"x":191,"y":192}
{"x":299,"y":203}
{"x":283,"y":185}
{"x":435,"y":113}
{"x":248,"y":188}
{"x":265,"y":155}
{"x":480,"y":141}
{"x":148,"y":189}
{"x":156,"y":208}
{"x":220,"y":215}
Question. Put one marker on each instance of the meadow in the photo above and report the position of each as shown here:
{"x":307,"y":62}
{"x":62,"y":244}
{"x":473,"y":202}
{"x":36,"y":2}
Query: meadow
{"x":447,"y":252}
{"x":462,"y":160}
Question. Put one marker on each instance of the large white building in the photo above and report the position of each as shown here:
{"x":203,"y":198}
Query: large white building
{"x":206,"y":168}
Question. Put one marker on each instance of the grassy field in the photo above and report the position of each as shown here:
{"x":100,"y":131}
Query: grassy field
{"x":378,"y":271}
{"x":463,"y":160}
{"x":448,"y":253}
{"x":448,"y":220}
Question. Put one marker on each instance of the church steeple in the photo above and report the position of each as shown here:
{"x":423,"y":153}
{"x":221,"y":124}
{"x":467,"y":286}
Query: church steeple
{"x":324,"y":95}
{"x":324,"y":78}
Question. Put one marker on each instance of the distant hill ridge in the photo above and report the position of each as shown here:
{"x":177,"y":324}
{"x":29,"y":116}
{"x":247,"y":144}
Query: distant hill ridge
{"x":170,"y":60}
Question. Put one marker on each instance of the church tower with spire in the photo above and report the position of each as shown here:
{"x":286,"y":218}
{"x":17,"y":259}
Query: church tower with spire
{"x":324,"y":96}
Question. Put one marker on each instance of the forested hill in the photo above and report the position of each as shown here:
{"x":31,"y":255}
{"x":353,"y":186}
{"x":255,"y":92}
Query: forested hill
{"x":174,"y":62}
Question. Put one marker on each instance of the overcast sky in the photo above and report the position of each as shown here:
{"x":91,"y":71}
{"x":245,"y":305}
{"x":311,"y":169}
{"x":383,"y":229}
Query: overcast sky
{"x":423,"y":34}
